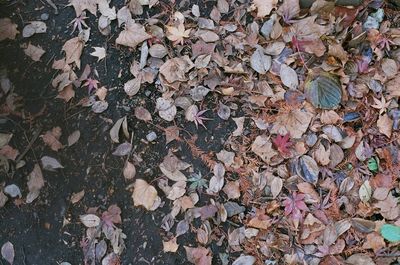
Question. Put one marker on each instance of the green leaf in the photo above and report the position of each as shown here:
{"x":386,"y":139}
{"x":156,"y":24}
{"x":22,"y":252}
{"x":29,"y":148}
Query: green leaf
{"x":390,"y":232}
{"x":373,"y":165}
{"x":324,"y":91}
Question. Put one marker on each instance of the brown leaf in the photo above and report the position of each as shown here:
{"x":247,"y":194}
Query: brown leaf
{"x":81,"y":5}
{"x":9,"y":152}
{"x":67,"y":93}
{"x":76,"y":197}
{"x":8,"y":30}
{"x":385,"y":125}
{"x":264,"y":8}
{"x":129,"y":170}
{"x":175,"y":69}
{"x":170,"y":246}
{"x":35,"y":183}
{"x":374,"y":241}
{"x":34,"y":52}
{"x":198,"y":256}
{"x":132,"y":35}
{"x":73,"y":50}
{"x":295,"y":122}
{"x":51,"y":139}
{"x":142,"y":114}
{"x":144,"y":194}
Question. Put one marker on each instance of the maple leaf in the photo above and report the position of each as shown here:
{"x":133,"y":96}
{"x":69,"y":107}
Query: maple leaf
{"x":79,"y":22}
{"x":91,"y":84}
{"x":195,"y":115}
{"x":294,"y":205}
{"x":382,"y":105}
{"x":177,"y":35}
{"x":282,"y":143}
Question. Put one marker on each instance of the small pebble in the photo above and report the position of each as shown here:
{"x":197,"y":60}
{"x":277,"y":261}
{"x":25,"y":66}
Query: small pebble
{"x":151,"y":136}
{"x":44,"y":16}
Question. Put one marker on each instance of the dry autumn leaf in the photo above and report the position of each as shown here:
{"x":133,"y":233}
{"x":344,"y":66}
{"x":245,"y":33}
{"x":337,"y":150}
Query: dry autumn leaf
{"x":144,"y":194}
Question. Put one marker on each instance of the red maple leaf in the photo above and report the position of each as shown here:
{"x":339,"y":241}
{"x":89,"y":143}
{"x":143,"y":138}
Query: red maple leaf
{"x":295,"y":205}
{"x":282,"y":143}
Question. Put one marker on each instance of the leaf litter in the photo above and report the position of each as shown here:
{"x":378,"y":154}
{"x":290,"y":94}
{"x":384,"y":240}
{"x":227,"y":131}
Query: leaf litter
{"x":311,"y":162}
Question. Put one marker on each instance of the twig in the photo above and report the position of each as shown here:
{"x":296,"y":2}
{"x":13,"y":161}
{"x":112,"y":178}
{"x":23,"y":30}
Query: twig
{"x":53,"y":6}
{"x":34,"y":138}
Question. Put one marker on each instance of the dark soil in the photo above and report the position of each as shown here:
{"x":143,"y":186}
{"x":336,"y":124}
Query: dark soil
{"x":36,"y":229}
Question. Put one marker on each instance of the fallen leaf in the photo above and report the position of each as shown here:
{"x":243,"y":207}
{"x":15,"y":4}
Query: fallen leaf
{"x":129,"y":170}
{"x":8,"y":30}
{"x":123,"y":149}
{"x":35,"y":183}
{"x":170,"y":246}
{"x":74,"y":137}
{"x":175,"y":69}
{"x":81,"y":5}
{"x":7,"y":252}
{"x":90,"y":220}
{"x":76,"y":197}
{"x":289,"y":77}
{"x":198,"y":256}
{"x":390,"y":232}
{"x":73,"y":50}
{"x":34,"y":52}
{"x":144,"y":194}
{"x":99,"y":52}
{"x":51,"y":138}
{"x":142,"y":114}
{"x":132,"y":35}
{"x":295,"y":122}
{"x":34,"y":27}
{"x":264,"y":7}
{"x":385,"y":125}
{"x":244,"y":260}
{"x":260,"y":62}
{"x":50,"y":163}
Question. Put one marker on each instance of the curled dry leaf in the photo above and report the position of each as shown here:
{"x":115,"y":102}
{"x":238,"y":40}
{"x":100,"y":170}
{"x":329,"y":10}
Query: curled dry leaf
{"x":144,"y":194}
{"x":76,"y":197}
{"x":74,"y":137}
{"x":35,"y":183}
{"x":129,"y":170}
